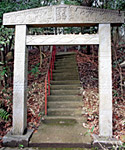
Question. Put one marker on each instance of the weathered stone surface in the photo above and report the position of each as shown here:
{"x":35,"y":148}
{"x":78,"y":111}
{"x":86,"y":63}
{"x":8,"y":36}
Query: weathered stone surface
{"x":105,"y":141}
{"x":11,"y":140}
{"x":20,"y":81}
{"x":59,"y":133}
{"x":63,"y":14}
{"x":71,"y":39}
{"x":105,"y":81}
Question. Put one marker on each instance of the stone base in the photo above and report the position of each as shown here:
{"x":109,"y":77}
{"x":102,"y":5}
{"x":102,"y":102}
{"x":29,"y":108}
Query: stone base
{"x":10,"y":140}
{"x":103,"y":142}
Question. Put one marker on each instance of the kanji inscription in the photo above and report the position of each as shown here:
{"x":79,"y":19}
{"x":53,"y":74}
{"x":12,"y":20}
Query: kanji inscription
{"x":63,"y":14}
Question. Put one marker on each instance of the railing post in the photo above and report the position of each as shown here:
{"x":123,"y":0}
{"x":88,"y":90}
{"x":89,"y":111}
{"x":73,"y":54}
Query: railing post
{"x":53,"y":59}
{"x":45,"y":96}
{"x":54,"y":50}
{"x":51,"y":70}
{"x":49,"y":82}
{"x":54,"y":54}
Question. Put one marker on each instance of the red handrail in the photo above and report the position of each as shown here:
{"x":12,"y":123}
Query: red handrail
{"x":49,"y":73}
{"x":49,"y":82}
{"x":45,"y":96}
{"x":51,"y":67}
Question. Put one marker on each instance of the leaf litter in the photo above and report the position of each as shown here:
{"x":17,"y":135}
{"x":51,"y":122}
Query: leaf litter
{"x":88,"y":72}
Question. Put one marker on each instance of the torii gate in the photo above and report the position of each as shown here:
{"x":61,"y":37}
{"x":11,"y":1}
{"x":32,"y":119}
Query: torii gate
{"x":62,"y":16}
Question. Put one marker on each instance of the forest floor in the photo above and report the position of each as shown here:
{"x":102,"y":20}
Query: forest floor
{"x":88,"y":71}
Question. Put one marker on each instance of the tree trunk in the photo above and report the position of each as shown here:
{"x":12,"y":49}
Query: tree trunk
{"x":41,"y":57}
{"x":88,"y":50}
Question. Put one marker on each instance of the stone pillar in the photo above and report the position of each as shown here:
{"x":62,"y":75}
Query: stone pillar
{"x":20,"y":81}
{"x":105,"y":81}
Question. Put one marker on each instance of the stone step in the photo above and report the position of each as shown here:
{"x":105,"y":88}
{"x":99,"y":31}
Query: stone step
{"x":65,"y":67}
{"x":65,"y":87}
{"x":68,"y":119}
{"x":64,"y":112}
{"x":64,"y":71}
{"x":65,"y":56}
{"x":65,"y":92}
{"x":65,"y":63}
{"x":73,"y":64}
{"x":66,"y":75}
{"x":66,"y":59}
{"x":66,"y":82}
{"x":60,"y":70}
{"x":65,"y":53}
{"x":64,"y":104}
{"x":56,"y":74}
{"x":64,"y":98}
{"x":60,"y":120}
{"x":65,"y":78}
{"x":71,"y":67}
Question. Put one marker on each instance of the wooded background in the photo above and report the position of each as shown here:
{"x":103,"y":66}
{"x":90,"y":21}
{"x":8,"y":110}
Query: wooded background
{"x":7,"y":50}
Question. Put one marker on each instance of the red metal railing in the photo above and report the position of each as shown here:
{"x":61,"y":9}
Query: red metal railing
{"x":49,"y":74}
{"x":45,"y":96}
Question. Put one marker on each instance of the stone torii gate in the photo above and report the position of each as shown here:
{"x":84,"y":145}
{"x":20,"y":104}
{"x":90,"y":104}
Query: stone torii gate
{"x":62,"y":16}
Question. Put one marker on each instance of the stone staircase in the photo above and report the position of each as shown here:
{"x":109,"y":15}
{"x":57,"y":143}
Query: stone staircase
{"x":63,"y":125}
{"x":65,"y":100}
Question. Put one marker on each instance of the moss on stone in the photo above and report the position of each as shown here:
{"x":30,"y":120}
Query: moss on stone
{"x":67,"y":122}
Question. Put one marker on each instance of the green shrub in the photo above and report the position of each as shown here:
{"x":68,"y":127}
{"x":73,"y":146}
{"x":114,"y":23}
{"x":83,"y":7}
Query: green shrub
{"x":4,"y":114}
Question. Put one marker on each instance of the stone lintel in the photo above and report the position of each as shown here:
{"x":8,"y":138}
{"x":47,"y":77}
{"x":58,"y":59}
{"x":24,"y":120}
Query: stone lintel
{"x":63,"y":14}
{"x":10,"y":140}
{"x":68,"y":39}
